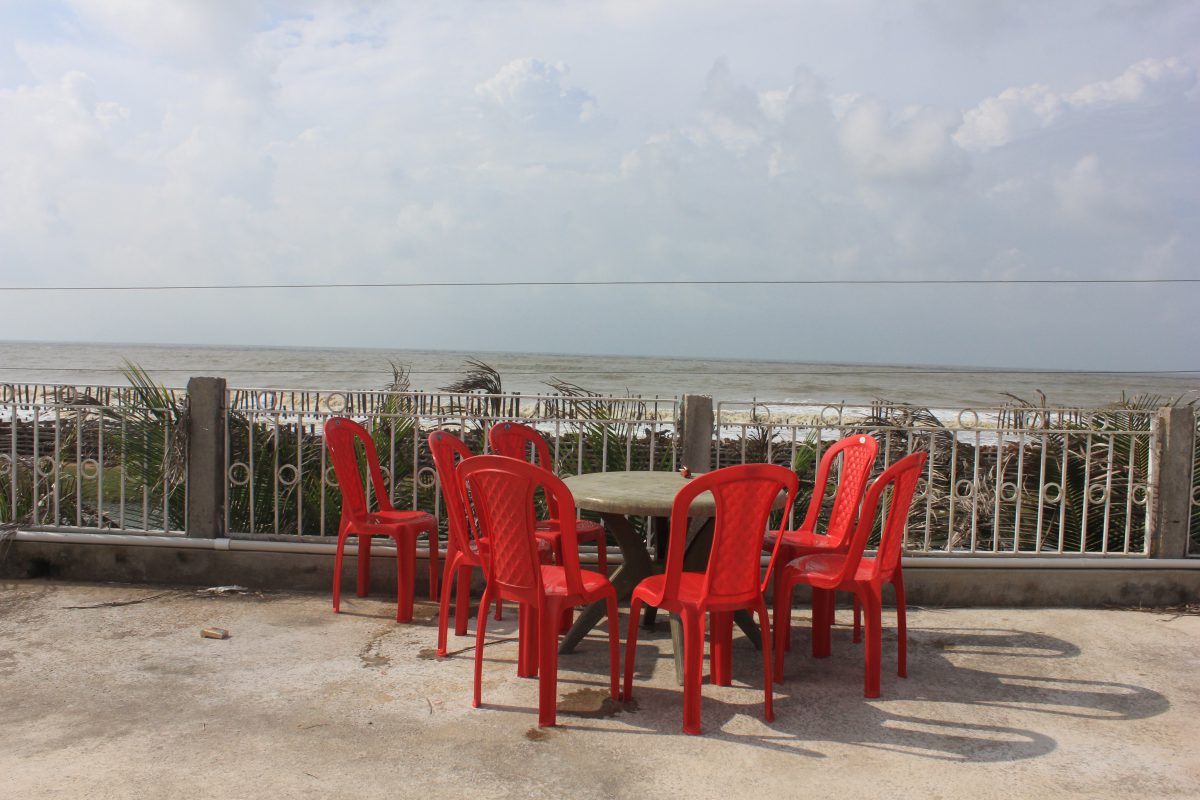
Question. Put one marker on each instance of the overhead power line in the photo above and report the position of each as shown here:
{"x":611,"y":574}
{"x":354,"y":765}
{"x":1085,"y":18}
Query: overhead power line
{"x":897,"y":372}
{"x":571,"y":284}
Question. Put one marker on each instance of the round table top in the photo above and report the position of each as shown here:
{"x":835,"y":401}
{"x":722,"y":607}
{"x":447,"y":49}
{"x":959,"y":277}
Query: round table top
{"x":637,"y":493}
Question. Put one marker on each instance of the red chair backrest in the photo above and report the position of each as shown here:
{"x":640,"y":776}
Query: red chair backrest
{"x":902,"y":477}
{"x":745,"y":496}
{"x":514,"y":440}
{"x":858,"y":455}
{"x":340,"y":435}
{"x":501,"y":491}
{"x":448,"y":452}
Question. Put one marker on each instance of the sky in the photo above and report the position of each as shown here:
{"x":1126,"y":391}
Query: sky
{"x":145,"y":142}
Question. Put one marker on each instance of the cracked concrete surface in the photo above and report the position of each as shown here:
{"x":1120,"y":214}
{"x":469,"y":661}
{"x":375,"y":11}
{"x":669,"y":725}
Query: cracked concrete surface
{"x":125,"y":699}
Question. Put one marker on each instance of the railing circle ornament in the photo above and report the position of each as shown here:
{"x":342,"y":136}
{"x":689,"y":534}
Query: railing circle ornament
{"x":5,"y":464}
{"x":1140,"y":493}
{"x":264,"y":400}
{"x":922,"y":488}
{"x":831,"y":415}
{"x":330,"y":476}
{"x":1051,"y":493}
{"x":239,"y":473}
{"x":64,"y":395}
{"x":1097,"y":493}
{"x":1009,"y":491}
{"x":336,"y":403}
{"x":89,"y":469}
{"x":44,"y":466}
{"x":427,"y":477}
{"x":288,"y":475}
{"x":963,"y":418}
{"x":1196,"y":495}
{"x":7,"y":393}
{"x":964,"y":488}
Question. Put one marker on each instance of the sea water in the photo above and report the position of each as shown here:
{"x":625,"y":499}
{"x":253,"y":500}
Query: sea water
{"x":801,"y":383}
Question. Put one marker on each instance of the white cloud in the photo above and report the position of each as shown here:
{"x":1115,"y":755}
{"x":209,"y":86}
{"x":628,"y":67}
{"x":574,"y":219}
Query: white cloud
{"x":533,"y":91}
{"x":1014,"y":112}
{"x":915,"y":145}
{"x":1149,"y":80}
{"x":1020,"y":111}
{"x":188,"y":31}
{"x":1087,"y":195}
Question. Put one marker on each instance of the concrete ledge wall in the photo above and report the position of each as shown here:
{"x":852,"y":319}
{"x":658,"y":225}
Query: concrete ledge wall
{"x":936,"y":583}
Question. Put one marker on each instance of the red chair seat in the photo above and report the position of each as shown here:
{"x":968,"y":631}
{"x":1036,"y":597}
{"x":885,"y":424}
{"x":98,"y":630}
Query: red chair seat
{"x":554,"y":582}
{"x":827,"y":569}
{"x":801,"y":538}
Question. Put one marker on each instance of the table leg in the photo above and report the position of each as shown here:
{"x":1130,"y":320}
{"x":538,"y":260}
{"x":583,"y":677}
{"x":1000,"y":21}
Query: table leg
{"x":636,"y":565}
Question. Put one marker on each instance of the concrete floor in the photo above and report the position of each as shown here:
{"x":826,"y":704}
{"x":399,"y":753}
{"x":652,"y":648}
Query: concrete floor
{"x":129,"y":701}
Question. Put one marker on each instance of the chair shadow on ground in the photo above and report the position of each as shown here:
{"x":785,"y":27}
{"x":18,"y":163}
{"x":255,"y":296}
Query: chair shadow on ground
{"x":821,"y":699}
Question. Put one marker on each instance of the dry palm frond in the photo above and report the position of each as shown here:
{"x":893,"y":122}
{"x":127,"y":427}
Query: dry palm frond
{"x":479,"y":377}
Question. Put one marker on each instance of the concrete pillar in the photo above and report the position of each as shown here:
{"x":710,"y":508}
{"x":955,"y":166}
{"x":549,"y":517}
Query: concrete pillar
{"x":206,"y":458}
{"x":696,"y":433}
{"x":1174,"y":454}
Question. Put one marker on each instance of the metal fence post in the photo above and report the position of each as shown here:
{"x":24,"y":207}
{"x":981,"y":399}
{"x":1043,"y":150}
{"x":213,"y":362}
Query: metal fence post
{"x":1169,"y":516}
{"x":206,"y":458}
{"x":696,"y":433}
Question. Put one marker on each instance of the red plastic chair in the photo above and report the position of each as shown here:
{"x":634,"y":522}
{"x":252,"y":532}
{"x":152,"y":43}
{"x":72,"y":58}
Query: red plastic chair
{"x":462,"y":550}
{"x":513,"y":439}
{"x":858,"y":455}
{"x":403,"y":527}
{"x":733,"y":580}
{"x":501,"y":490}
{"x":851,"y":571}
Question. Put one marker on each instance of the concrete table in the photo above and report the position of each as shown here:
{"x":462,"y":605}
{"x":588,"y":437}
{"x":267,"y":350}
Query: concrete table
{"x":616,"y":496}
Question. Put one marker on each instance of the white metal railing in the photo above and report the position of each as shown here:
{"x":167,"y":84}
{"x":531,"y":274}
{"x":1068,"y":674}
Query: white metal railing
{"x":280,"y":479}
{"x":103,"y":457}
{"x":999,"y":481}
{"x":1194,"y":506}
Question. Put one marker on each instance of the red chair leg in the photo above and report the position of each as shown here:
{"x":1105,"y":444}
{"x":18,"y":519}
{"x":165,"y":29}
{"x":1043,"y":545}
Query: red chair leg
{"x":693,"y":655}
{"x":548,"y":668}
{"x":901,"y":626}
{"x":768,"y":693}
{"x":406,"y":567}
{"x":528,"y":635}
{"x":434,"y":567}
{"x":872,"y":621}
{"x":602,"y":556}
{"x":444,"y":606}
{"x":820,"y":622}
{"x":364,"y":565}
{"x":337,"y":573}
{"x":480,"y":629}
{"x":614,"y":644}
{"x":631,"y":634}
{"x":462,"y":600}
{"x":721,"y":648}
{"x":780,"y":628}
